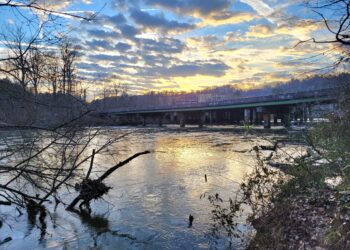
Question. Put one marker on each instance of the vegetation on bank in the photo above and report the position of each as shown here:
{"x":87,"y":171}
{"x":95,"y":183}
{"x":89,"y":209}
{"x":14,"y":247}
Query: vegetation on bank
{"x":298,"y":204}
{"x":313,"y":208}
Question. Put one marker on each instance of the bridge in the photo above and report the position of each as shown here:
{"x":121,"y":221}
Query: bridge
{"x":278,"y":108}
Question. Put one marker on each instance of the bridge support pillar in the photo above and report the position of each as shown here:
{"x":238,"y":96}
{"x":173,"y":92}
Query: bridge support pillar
{"x":202,"y":118}
{"x":227,"y":117}
{"x":286,"y":120}
{"x":259,"y":118}
{"x":173,"y":117}
{"x":259,"y":115}
{"x":293,"y":114}
{"x":267,"y":120}
{"x":182,"y":119}
{"x":246,"y":116}
{"x":213,"y":116}
{"x":305,"y":113}
{"x":309,"y":111}
{"x":254,"y":116}
{"x":301,"y":115}
{"x":144,"y":123}
{"x":275,"y":120}
{"x":160,"y":121}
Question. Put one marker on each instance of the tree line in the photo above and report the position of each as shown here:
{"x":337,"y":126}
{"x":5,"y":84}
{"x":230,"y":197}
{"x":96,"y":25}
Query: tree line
{"x":38,"y":68}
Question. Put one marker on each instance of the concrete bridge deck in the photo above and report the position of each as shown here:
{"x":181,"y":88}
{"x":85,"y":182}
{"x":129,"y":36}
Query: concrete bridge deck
{"x":252,"y":110}
{"x":272,"y":100}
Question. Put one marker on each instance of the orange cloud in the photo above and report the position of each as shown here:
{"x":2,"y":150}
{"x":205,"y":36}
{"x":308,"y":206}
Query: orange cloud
{"x":260,"y":30}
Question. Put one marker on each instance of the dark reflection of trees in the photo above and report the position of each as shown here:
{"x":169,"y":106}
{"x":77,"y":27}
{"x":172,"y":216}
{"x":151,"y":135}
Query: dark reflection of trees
{"x":97,"y":224}
{"x":33,"y":210}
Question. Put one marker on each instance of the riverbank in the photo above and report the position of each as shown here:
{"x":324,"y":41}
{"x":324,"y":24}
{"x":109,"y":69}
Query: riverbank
{"x":308,"y":213}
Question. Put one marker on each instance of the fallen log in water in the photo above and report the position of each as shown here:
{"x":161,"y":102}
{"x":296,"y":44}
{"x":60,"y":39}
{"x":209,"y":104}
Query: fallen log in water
{"x":5,"y":240}
{"x":5,"y":203}
{"x":95,"y":189}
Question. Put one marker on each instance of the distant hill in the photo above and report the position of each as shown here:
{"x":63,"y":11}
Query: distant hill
{"x":293,"y":86}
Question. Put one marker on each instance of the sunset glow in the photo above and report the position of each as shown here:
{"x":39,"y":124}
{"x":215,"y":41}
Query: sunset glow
{"x":182,"y":45}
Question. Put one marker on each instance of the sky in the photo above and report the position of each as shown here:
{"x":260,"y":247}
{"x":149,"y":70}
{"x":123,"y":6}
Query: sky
{"x":184,"y":45}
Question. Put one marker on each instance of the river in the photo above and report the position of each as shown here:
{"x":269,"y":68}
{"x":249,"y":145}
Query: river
{"x":152,"y":197}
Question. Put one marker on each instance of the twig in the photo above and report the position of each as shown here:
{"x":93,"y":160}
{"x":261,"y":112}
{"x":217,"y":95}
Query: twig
{"x":91,"y":164}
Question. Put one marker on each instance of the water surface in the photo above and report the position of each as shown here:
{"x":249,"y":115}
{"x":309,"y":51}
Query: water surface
{"x":152,"y":197}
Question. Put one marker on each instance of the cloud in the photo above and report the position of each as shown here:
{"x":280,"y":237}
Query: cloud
{"x":210,"y":42}
{"x":91,"y":66}
{"x":53,"y":4}
{"x":162,"y":45}
{"x":236,"y":36}
{"x":210,"y":69}
{"x":113,"y":58}
{"x":102,"y":20}
{"x":102,"y":34}
{"x":200,"y":8}
{"x":158,"y":22}
{"x":156,"y":60}
{"x":286,"y":23}
{"x":124,"y":4}
{"x":128,"y":31}
{"x":187,"y":69}
{"x":260,"y":31}
{"x":100,"y":45}
{"x":211,"y":12}
{"x":228,"y":18}
{"x":122,"y":47}
{"x":261,"y":8}
{"x":300,"y":29}
{"x":114,"y":20}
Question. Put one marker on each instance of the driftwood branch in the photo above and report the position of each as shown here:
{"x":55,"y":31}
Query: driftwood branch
{"x":120,"y":164}
{"x":95,"y":189}
{"x":5,"y":203}
{"x":91,"y":164}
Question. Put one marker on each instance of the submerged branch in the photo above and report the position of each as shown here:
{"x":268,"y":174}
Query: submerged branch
{"x":120,"y":164}
{"x":95,"y":189}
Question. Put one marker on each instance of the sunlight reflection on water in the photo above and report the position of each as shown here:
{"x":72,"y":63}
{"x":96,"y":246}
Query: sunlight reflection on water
{"x":152,"y":196}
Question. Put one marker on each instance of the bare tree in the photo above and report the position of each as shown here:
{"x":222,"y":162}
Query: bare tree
{"x":25,"y":64}
{"x":46,"y":157}
{"x":36,"y":64}
{"x":39,"y":30}
{"x":335,"y":15}
{"x":68,"y":55}
{"x":17,"y":63}
{"x":52,"y":72}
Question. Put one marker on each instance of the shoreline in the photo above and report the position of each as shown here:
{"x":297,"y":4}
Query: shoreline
{"x":304,"y":215}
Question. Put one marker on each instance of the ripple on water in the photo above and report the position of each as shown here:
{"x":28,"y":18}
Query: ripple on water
{"x":152,"y":197}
